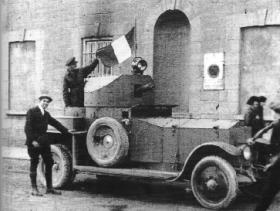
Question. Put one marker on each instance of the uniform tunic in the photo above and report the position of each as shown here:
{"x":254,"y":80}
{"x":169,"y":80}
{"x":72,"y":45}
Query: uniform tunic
{"x":254,"y":118}
{"x":73,"y":85}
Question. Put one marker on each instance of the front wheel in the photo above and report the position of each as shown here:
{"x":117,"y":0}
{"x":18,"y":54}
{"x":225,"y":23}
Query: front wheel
{"x":214,"y":182}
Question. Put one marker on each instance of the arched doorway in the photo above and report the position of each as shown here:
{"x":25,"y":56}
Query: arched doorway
{"x":171,"y":40}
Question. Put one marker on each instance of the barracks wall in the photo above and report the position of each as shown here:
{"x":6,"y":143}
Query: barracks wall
{"x":172,"y":35}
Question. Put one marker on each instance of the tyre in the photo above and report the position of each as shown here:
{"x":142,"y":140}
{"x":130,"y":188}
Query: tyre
{"x":62,"y":172}
{"x":214,"y":182}
{"x":107,"y":142}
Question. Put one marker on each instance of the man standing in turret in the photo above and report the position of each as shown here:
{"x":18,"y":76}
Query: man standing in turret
{"x":73,"y":83}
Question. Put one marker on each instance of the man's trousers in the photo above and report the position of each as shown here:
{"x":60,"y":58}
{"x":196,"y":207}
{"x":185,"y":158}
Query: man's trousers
{"x":271,"y":188}
{"x":34,"y":153}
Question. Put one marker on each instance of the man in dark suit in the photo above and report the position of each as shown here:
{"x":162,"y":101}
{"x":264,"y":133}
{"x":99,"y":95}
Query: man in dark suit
{"x":73,"y":82}
{"x":37,"y":141}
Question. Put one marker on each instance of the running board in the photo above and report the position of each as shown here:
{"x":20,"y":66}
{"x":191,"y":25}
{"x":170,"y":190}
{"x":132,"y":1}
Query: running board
{"x":143,"y":173}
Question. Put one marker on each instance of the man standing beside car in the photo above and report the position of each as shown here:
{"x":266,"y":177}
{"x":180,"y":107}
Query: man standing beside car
{"x":38,"y":143}
{"x":272,"y":184}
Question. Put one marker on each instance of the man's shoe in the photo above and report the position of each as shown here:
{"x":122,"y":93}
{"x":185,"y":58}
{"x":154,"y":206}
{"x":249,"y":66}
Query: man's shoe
{"x":53,"y":191}
{"x":35,"y":192}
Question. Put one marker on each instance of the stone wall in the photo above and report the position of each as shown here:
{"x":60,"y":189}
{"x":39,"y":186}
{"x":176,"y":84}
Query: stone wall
{"x":58,"y":26}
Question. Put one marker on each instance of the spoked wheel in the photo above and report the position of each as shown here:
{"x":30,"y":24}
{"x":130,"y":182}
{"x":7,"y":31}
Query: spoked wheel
{"x":214,"y":182}
{"x":107,"y":142}
{"x":62,"y":174}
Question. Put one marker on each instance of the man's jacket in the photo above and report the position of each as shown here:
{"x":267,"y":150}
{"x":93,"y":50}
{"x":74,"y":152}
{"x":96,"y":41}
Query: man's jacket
{"x":254,"y":118}
{"x":73,"y":85}
{"x":36,"y":125}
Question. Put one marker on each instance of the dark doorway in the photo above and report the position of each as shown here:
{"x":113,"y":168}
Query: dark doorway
{"x":171,"y":40}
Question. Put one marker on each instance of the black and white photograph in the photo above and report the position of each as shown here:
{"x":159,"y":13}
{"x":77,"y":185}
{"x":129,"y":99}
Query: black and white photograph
{"x":140,"y":105}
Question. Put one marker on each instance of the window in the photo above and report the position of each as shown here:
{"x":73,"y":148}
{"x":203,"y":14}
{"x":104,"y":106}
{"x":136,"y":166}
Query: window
{"x":259,"y":62}
{"x":22,"y":75}
{"x":90,"y":46}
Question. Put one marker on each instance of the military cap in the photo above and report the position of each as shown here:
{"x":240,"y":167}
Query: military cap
{"x":275,"y":106}
{"x":71,"y":61}
{"x":252,"y":99}
{"x":45,"y":97}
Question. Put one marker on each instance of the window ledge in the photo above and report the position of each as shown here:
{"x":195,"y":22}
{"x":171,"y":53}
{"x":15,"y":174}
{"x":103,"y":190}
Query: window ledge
{"x":15,"y":113}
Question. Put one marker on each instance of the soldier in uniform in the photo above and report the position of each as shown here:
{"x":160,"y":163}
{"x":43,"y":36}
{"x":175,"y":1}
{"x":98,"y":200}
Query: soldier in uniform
{"x":37,"y":141}
{"x":253,"y":117}
{"x":272,"y":184}
{"x":73,"y":83}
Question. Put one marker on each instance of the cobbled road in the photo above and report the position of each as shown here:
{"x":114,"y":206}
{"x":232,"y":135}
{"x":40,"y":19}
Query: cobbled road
{"x":89,"y":193}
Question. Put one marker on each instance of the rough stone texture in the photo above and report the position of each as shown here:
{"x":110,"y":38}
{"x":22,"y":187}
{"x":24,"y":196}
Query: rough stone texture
{"x":57,"y":27}
{"x":260,"y":62}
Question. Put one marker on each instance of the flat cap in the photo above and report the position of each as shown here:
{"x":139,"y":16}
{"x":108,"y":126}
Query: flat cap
{"x":275,"y":106}
{"x":45,"y":97}
{"x":71,"y":61}
{"x":252,"y":99}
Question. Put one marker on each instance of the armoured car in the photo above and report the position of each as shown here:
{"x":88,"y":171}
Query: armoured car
{"x":121,"y":132}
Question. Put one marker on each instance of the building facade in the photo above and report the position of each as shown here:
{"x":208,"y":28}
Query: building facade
{"x":207,"y":56}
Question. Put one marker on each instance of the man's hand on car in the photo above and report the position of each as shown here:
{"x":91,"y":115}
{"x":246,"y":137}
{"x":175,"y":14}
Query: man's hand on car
{"x":250,"y":141}
{"x":35,"y":144}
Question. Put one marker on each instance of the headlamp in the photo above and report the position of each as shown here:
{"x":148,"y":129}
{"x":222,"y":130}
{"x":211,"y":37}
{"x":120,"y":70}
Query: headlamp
{"x":139,"y":65}
{"x":247,"y":153}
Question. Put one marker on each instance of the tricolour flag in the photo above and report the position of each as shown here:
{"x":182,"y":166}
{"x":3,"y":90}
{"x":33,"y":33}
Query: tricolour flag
{"x":118,"y":51}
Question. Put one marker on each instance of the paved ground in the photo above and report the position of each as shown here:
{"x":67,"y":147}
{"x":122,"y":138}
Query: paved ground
{"x":88,"y":193}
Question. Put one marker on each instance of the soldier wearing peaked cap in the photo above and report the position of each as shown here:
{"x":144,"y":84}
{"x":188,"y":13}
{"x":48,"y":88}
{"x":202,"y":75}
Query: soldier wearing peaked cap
{"x":37,"y":141}
{"x":272,"y":184}
{"x":73,"y":82}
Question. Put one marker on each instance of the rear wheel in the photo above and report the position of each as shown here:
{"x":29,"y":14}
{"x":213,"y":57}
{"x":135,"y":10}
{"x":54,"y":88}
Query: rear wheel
{"x":214,"y":183}
{"x":62,"y":173}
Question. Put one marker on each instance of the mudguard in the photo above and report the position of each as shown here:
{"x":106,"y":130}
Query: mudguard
{"x":211,"y":148}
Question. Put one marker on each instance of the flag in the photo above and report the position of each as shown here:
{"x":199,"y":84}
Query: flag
{"x":118,"y":51}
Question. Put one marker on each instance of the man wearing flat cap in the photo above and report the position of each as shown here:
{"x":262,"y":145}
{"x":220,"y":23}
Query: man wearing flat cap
{"x":73,"y":83}
{"x":37,"y":141}
{"x":272,"y":184}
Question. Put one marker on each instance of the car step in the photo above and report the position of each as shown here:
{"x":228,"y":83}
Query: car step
{"x":144,"y":173}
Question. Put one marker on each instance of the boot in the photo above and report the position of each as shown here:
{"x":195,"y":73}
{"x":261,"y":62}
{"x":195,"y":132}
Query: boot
{"x":35,"y":191}
{"x":53,"y":191}
{"x":50,"y":189}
